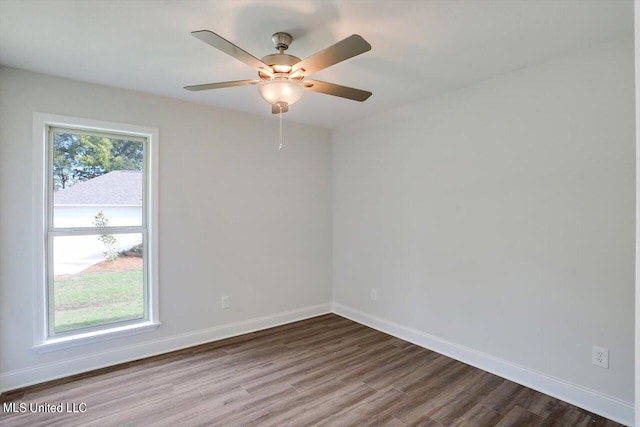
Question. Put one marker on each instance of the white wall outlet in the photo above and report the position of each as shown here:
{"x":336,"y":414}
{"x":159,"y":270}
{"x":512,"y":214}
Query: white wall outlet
{"x":600,"y":357}
{"x":224,"y":302}
{"x":374,"y":295}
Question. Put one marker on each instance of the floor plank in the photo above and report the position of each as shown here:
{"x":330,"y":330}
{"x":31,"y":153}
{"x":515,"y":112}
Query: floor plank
{"x":325,"y":371}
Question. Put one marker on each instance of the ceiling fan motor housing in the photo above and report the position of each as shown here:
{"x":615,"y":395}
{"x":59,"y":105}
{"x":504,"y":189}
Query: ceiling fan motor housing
{"x":280,"y":63}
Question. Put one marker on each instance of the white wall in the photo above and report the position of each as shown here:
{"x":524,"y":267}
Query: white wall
{"x":637,"y":44}
{"x":236,"y":217}
{"x":499,"y":220}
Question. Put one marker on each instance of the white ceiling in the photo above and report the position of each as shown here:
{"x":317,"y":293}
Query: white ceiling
{"x":420,"y":48}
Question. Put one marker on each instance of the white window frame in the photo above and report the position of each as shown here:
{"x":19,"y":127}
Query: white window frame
{"x":44,"y":339}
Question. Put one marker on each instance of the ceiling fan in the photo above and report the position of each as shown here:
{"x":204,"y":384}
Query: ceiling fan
{"x":282,"y":76}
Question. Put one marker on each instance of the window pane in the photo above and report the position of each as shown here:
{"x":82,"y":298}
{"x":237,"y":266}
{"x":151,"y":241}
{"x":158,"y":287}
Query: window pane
{"x":97,"y":279}
{"x":93,"y":174}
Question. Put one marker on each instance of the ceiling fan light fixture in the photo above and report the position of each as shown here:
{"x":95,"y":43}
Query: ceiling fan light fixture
{"x":282,"y":92}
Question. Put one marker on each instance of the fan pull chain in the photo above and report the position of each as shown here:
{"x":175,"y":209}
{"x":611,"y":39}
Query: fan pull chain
{"x":281,"y":141}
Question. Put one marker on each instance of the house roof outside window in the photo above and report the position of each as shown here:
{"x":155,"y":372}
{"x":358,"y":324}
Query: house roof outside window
{"x":117,"y":188}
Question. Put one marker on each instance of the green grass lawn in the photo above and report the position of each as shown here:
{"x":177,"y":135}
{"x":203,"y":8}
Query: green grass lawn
{"x":92,"y":298}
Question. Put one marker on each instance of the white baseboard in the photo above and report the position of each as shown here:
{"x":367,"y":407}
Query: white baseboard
{"x":607,"y":406}
{"x":46,"y":372}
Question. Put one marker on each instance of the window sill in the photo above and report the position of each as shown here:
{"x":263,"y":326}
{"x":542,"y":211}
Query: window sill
{"x":55,"y":344}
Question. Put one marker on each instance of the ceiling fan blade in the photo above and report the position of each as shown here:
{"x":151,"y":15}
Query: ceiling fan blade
{"x":221,"y":85}
{"x":276,"y":110}
{"x":212,"y":39}
{"x":336,"y":90}
{"x":348,"y":48}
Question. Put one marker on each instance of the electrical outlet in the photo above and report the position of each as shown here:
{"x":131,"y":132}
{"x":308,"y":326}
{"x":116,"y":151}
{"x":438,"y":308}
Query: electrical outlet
{"x":374,"y":295}
{"x":224,"y":303}
{"x":600,"y":357}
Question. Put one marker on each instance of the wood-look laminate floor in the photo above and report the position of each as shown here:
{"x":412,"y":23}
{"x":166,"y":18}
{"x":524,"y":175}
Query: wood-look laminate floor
{"x":325,"y":371}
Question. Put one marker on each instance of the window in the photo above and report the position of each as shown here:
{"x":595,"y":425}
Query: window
{"x":98,"y":231}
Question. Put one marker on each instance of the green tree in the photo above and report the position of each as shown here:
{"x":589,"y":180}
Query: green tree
{"x":66,"y":150}
{"x":78,"y":158}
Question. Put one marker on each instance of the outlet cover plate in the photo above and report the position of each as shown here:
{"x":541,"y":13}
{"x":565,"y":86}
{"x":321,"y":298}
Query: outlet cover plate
{"x":224,"y":302}
{"x":600,"y":357}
